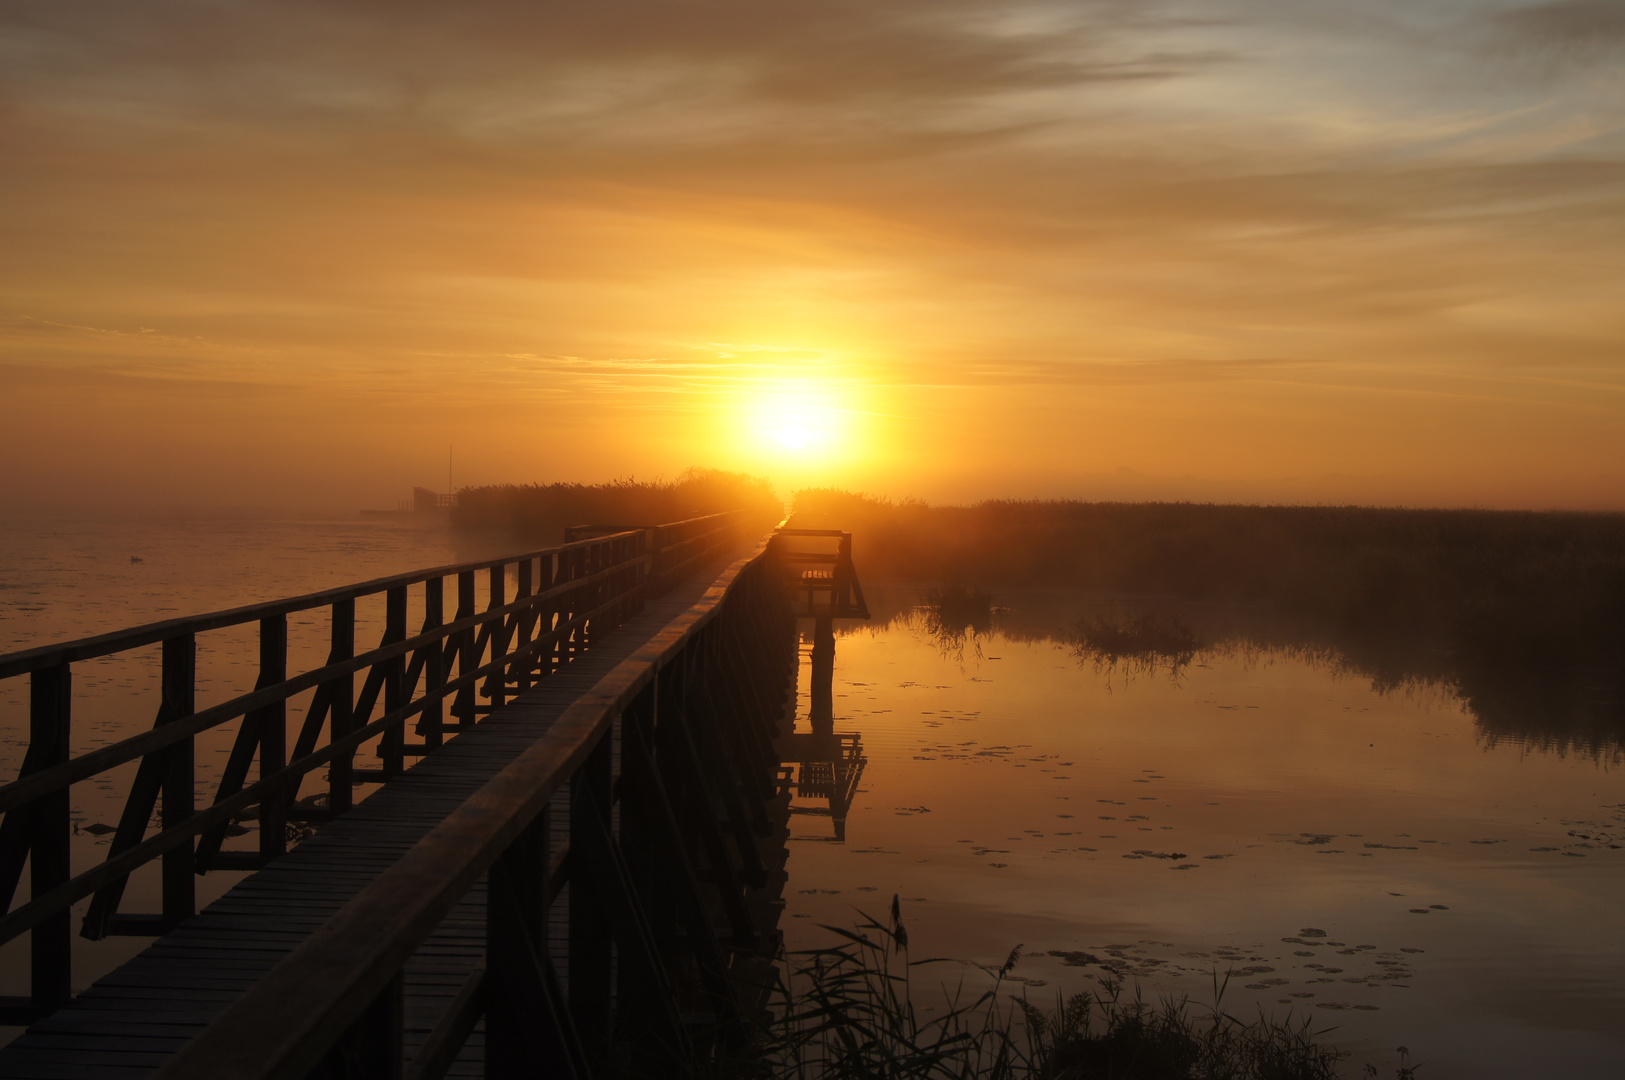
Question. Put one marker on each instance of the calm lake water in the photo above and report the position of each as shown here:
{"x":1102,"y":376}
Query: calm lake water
{"x":1367,"y":858}
{"x":1370,"y":859}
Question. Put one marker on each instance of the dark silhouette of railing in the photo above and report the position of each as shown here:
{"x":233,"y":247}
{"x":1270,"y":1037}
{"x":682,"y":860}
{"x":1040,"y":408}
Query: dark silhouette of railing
{"x":823,"y":582}
{"x":670,"y":753}
{"x":449,"y":673}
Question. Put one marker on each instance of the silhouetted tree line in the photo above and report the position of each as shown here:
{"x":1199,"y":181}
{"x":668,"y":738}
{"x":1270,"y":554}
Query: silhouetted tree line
{"x":538,"y":514}
{"x":1524,"y":611}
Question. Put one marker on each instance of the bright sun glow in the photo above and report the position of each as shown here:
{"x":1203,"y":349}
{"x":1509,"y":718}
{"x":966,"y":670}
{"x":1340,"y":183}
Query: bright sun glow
{"x":800,"y":422}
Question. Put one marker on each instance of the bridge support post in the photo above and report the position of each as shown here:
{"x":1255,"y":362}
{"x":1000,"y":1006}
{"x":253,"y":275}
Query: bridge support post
{"x":823,"y":671}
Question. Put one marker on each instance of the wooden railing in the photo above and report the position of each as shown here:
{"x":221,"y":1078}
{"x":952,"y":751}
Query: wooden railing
{"x":674,"y":549}
{"x":822,"y":579}
{"x":446,"y":675}
{"x":669,"y":768}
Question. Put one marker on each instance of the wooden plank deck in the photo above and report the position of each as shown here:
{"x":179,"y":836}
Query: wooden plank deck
{"x":131,"y":1020}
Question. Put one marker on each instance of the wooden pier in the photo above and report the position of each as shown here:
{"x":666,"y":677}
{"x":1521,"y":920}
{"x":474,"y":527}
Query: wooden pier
{"x":580,"y":875}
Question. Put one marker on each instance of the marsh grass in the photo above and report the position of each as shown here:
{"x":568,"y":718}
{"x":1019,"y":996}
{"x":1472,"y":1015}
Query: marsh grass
{"x":848,"y":1011}
{"x":1522,"y":612}
{"x":1102,"y":1035}
{"x":539,"y":513}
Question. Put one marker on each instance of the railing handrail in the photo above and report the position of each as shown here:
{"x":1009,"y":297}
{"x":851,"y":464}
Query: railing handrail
{"x":27,"y":788}
{"x":824,"y":571}
{"x":284,"y":1024}
{"x":40,"y":657}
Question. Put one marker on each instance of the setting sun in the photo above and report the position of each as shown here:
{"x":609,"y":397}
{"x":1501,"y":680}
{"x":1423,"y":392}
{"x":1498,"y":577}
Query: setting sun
{"x":800,"y":420}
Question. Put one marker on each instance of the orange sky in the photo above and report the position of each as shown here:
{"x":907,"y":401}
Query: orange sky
{"x":1293,"y":250}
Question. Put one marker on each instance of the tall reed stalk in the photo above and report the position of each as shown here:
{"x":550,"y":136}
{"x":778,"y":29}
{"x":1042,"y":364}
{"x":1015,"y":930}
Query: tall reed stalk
{"x":848,"y":1011}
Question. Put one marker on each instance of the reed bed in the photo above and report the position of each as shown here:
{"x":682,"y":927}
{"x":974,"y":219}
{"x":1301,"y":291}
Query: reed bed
{"x":537,"y":514}
{"x":1523,"y":613}
{"x":849,"y":1011}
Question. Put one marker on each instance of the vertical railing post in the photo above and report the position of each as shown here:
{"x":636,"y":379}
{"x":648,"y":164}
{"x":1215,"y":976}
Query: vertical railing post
{"x":525,"y":623}
{"x":391,"y":742}
{"x":583,"y":599}
{"x":548,"y":570}
{"x":839,"y":599}
{"x":591,"y":934}
{"x":342,"y":710}
{"x":273,"y":733}
{"x":496,"y":682}
{"x":595,"y":592}
{"x":552,"y":570}
{"x":179,"y":679}
{"x":567,"y":604}
{"x":650,"y":550}
{"x":434,"y":665}
{"x":50,"y":709}
{"x":463,"y":709}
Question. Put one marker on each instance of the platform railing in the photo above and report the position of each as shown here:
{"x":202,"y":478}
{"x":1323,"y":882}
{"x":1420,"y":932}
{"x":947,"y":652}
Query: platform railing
{"x":822,"y":579}
{"x":670,"y":773}
{"x":675,"y":548}
{"x":453,"y":670}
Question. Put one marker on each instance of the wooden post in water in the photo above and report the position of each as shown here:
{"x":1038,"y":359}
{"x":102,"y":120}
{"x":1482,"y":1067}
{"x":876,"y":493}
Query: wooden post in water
{"x":823,"y":672}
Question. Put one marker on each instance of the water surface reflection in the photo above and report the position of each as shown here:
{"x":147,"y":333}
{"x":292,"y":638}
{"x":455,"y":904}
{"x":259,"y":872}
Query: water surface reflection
{"x":1357,"y":844}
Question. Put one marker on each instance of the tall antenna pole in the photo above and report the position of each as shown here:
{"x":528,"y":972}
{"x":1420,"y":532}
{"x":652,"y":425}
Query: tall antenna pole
{"x":449,"y":485}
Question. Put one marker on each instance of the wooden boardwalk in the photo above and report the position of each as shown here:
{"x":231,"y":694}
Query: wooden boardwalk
{"x":130,"y":1022}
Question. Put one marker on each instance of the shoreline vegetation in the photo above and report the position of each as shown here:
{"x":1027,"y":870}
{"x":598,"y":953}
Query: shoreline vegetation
{"x":1521,"y":613}
{"x":851,"y":1011}
{"x":538,"y":514}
